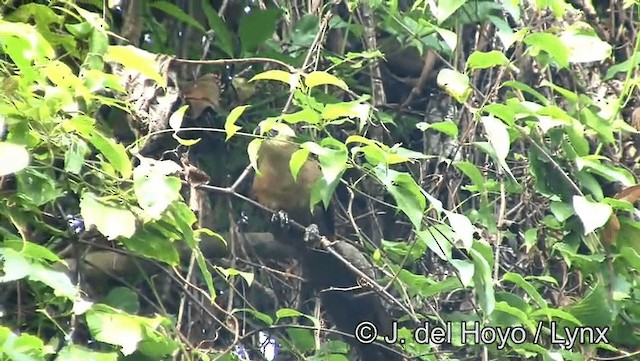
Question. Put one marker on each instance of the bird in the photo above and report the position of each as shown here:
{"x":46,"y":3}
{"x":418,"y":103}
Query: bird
{"x":275,"y":188}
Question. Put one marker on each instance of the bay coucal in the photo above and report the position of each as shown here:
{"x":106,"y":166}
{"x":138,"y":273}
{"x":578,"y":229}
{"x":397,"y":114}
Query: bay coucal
{"x":345,"y":303}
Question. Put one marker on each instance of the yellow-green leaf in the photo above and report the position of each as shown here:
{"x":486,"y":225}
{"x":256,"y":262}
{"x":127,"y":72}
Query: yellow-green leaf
{"x":317,"y":78}
{"x":230,"y":126}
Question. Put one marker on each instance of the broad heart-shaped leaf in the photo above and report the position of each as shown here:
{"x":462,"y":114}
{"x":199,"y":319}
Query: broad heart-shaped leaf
{"x":593,"y":215}
{"x":154,"y":186}
{"x":102,"y":322}
{"x":585,"y":48}
{"x":13,"y":158}
{"x":155,"y":192}
{"x":230,"y":127}
{"x":455,"y":84}
{"x":110,"y":220}
{"x":317,"y":78}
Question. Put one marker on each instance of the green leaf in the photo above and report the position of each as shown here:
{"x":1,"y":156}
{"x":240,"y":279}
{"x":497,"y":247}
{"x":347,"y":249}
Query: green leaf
{"x":257,"y":314}
{"x":175,"y":122}
{"x":483,"y":281}
{"x":176,"y":118}
{"x":485,"y":60}
{"x":114,"y":152}
{"x":15,"y":267}
{"x":278,"y":75}
{"x":247,"y":276}
{"x":317,"y":78}
{"x":593,"y":215}
{"x":445,"y":127}
{"x":333,"y":162}
{"x":498,"y":137}
{"x":405,"y":191}
{"x":79,"y":353}
{"x":80,"y":124}
{"x":36,"y":187}
{"x":230,"y":126}
{"x":288,"y":313}
{"x":606,"y":171}
{"x":154,"y":242}
{"x":103,"y":320}
{"x":133,"y":58}
{"x":470,"y":170}
{"x":550,"y":44}
{"x":445,"y":9}
{"x":623,"y":67}
{"x":74,"y":156}
{"x":124,"y":299}
{"x":462,"y":228}
{"x":155,"y":191}
{"x":297,"y":161}
{"x":252,"y":151}
{"x":173,"y":10}
{"x":265,"y":20}
{"x":562,"y":211}
{"x":466,"y":270}
{"x":58,"y":281}
{"x":222,"y":35}
{"x":437,"y":239}
{"x":31,"y":250}
{"x":526,"y":286}
{"x":23,"y":347}
{"x":110,"y":220}
{"x":306,"y":115}
{"x":13,"y":158}
{"x":455,"y":84}
{"x":346,"y":110}
{"x":585,"y":48}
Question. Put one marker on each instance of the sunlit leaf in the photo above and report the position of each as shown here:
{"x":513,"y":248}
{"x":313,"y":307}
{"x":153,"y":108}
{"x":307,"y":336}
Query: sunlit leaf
{"x":318,"y":78}
{"x":110,"y":220}
{"x":13,"y":158}
{"x":230,"y":126}
{"x":455,"y":84}
{"x":593,"y":215}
